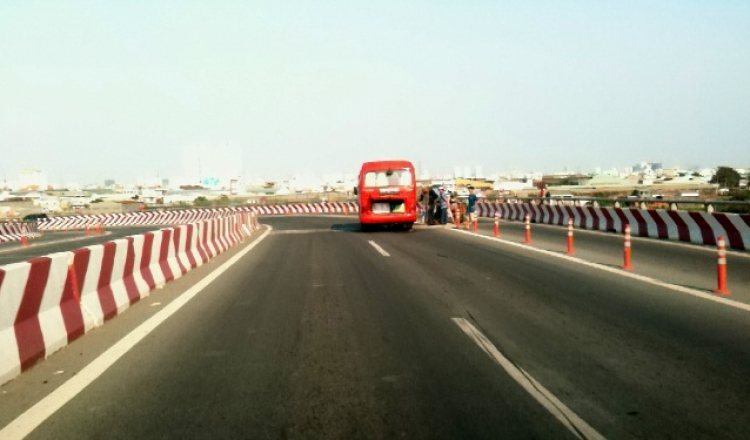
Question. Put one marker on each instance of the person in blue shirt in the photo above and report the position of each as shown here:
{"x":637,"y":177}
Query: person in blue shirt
{"x":445,"y":205}
{"x":471,"y":208}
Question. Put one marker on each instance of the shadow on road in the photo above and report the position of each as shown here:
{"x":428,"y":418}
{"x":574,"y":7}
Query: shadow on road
{"x":356,"y":227}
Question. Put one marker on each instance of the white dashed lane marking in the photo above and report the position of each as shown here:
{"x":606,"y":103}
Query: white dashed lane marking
{"x":379,"y":249}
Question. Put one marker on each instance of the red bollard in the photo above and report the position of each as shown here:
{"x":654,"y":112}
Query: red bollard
{"x":528,"y":229}
{"x":571,"y":251}
{"x":496,"y":231}
{"x":457,"y":218}
{"x":476,"y":224}
{"x":24,"y":239}
{"x":721,"y":268}
{"x":627,"y":265}
{"x":88,"y":233}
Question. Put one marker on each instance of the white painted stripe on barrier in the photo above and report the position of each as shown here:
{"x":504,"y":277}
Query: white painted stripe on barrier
{"x":210,"y":242}
{"x":140,"y":283}
{"x":119,"y":292}
{"x":154,"y":265}
{"x":743,"y":229}
{"x":600,"y":219}
{"x":693,"y":229}
{"x":92,"y":316}
{"x":716,"y":227}
{"x":50,"y":316}
{"x":672,"y":230}
{"x":181,"y":247}
{"x":174,"y":266}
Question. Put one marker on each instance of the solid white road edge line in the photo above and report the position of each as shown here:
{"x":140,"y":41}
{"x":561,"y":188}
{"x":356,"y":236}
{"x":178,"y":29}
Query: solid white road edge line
{"x":568,"y":418}
{"x":379,"y":249}
{"x":676,"y":288}
{"x":24,"y":424}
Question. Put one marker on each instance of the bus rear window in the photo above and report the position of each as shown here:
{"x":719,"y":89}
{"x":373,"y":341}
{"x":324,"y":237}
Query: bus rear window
{"x":380,"y":179}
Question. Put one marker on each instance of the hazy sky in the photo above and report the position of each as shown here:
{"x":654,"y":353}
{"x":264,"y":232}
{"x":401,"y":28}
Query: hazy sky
{"x":98,"y":89}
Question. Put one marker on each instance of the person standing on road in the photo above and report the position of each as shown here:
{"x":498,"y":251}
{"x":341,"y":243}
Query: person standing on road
{"x":424,"y":203}
{"x":471,"y":208}
{"x":434,"y":206}
{"x":445,"y":205}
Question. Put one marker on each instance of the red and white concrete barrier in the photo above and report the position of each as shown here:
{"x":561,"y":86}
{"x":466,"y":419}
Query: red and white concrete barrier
{"x":18,"y":231}
{"x":48,"y":302}
{"x":39,"y":312}
{"x":688,"y":226}
{"x":186,"y":216}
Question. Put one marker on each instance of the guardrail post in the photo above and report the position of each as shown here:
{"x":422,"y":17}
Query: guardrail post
{"x":571,"y":251}
{"x":721,"y":268}
{"x":626,"y":255}
{"x":528,"y":229}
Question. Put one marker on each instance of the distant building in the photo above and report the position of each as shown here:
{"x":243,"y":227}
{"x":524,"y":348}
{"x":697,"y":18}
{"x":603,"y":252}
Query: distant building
{"x":466,"y":172}
{"x":512,"y":185}
{"x":32,"y":180}
{"x":648,"y":168}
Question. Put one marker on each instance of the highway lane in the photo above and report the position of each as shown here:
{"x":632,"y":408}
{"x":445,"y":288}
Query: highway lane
{"x":683,"y":264}
{"x":316,"y":334}
{"x":61,"y":241}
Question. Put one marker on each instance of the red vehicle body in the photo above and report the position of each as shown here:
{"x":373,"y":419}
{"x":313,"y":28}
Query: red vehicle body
{"x":387,"y":194}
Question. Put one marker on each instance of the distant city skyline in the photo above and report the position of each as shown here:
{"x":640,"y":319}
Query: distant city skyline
{"x":39,"y":178}
{"x":98,"y":90}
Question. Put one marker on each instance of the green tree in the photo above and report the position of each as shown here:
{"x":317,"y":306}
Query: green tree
{"x":726,"y":177}
{"x":223,"y":201}
{"x":201,"y":201}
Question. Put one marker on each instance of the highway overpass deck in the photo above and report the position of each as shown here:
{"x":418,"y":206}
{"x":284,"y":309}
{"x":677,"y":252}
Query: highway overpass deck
{"x":319,"y":333}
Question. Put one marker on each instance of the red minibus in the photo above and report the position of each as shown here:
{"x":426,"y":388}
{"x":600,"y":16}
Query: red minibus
{"x":387,"y":194}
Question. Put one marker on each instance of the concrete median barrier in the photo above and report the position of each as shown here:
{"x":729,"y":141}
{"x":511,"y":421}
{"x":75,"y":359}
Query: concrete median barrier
{"x":688,"y":226}
{"x":187,"y":216}
{"x":17,"y":231}
{"x":48,"y":302}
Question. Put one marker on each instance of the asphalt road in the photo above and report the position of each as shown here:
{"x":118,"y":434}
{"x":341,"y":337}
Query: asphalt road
{"x":683,"y":264}
{"x":61,"y":241}
{"x":319,"y":333}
